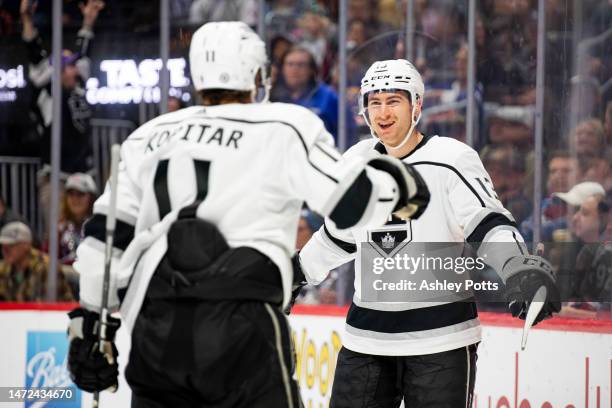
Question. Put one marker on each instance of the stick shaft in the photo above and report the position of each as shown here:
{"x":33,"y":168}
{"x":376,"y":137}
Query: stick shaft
{"x":108,"y":250}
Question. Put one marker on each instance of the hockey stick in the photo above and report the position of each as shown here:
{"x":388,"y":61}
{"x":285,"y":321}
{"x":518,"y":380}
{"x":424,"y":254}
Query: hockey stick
{"x":536,"y":305}
{"x":108,"y":249}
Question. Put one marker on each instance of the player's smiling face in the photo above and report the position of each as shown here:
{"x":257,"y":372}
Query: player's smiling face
{"x":389,"y":114}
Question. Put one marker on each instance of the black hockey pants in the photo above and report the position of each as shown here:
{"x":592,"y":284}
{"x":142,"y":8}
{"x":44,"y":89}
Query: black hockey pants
{"x":210,"y":332}
{"x":211,"y":354}
{"x":441,"y":380}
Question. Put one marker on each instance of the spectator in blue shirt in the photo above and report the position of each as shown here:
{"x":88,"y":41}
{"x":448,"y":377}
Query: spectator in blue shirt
{"x":298,"y":84}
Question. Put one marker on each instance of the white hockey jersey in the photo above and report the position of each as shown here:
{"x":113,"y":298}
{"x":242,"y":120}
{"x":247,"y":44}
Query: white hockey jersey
{"x":253,"y":165}
{"x":463,"y":207}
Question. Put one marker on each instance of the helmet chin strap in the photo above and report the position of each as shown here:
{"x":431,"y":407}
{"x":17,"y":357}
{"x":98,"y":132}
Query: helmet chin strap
{"x":410,"y":131}
{"x":403,"y":142}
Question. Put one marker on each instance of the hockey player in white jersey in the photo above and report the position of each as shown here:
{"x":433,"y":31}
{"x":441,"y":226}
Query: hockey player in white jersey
{"x":209,"y":199}
{"x":423,"y":353}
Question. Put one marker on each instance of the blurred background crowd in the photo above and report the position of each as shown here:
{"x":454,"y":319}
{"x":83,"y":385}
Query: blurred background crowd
{"x":110,"y":79}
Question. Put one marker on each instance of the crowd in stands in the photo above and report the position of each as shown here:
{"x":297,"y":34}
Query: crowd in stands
{"x":302,"y":35}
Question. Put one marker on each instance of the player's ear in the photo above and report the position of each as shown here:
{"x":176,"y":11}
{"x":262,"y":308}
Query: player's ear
{"x":417,"y":111}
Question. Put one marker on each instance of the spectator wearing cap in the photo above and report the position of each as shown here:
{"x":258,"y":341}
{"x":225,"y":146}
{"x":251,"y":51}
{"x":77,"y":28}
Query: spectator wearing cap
{"x":582,"y":229}
{"x":76,"y":208}
{"x":577,"y":224}
{"x":23,"y":271}
{"x":580,"y":192}
{"x":592,"y":281}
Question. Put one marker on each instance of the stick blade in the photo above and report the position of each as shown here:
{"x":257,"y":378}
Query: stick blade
{"x":536,"y":305}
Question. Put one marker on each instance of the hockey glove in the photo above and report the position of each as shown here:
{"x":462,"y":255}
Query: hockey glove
{"x":413,"y":192}
{"x":299,"y":281}
{"x":89,"y":369}
{"x":526,"y":274}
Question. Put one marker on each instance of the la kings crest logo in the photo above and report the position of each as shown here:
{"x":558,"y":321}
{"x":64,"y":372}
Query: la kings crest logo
{"x":391,"y":238}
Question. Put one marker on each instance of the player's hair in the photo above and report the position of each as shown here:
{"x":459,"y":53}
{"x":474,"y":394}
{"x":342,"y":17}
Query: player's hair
{"x":211,"y":97}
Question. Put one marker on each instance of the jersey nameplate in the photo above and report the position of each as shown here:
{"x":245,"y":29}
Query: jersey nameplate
{"x":195,"y":133}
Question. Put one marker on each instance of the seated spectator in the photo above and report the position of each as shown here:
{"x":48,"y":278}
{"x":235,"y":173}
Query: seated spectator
{"x":279,"y":46}
{"x":298,"y":84}
{"x":568,"y":242}
{"x":314,"y":32}
{"x":281,"y":19}
{"x":508,"y":69}
{"x":591,"y":219}
{"x":506,"y":166}
{"x":577,"y":195}
{"x":593,"y":269}
{"x":23,"y":271}
{"x":437,"y":47}
{"x":76,"y":208}
{"x":598,"y":170}
{"x":451,"y":121}
{"x":368,"y":12}
{"x":562,"y":169}
{"x":585,"y":97}
{"x":587,"y":139}
{"x":511,"y":124}
{"x":332,"y":290}
{"x":309,"y":223}
{"x":356,"y":34}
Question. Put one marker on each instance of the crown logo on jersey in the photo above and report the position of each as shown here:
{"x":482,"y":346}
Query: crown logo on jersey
{"x":388,"y":241}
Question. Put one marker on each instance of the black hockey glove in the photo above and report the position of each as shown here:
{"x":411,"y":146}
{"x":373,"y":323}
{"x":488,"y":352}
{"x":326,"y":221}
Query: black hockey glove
{"x":299,"y":281}
{"x":413,"y":192}
{"x":526,"y":274}
{"x":89,"y":369}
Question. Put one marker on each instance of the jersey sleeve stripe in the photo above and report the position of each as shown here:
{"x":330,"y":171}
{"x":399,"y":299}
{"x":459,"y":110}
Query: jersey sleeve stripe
{"x":343,"y":245}
{"x":328,"y":154}
{"x":95,"y":227}
{"x":518,"y":243}
{"x":489,"y":222}
{"x":469,"y":186}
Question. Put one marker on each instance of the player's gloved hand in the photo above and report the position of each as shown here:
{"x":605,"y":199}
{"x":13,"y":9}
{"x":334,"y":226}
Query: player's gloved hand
{"x":413,"y":192}
{"x":90,"y":369}
{"x":299,"y":281}
{"x":526,"y":274}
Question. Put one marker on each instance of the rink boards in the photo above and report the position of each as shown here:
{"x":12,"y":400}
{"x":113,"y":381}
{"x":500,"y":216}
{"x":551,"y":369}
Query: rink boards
{"x":567,"y":363}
